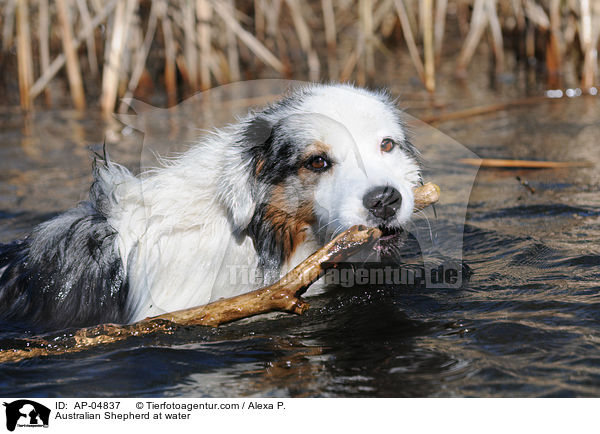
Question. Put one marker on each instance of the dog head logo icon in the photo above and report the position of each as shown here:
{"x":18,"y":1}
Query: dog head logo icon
{"x":26,"y":413}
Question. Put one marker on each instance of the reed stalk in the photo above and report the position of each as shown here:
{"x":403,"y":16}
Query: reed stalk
{"x":170,"y":53}
{"x":409,"y":39}
{"x":412,"y":15}
{"x":384,"y":19}
{"x":589,"y":46}
{"x":141,"y":57}
{"x":439,"y":27}
{"x":476,"y":29}
{"x":44,"y":41}
{"x":303,"y":32}
{"x":536,"y":14}
{"x":208,"y":42}
{"x":555,"y":46}
{"x":73,"y":68}
{"x":259,"y":19}
{"x":496,"y":31}
{"x":112,"y":66}
{"x":8,"y":22}
{"x":60,"y":60}
{"x":188,"y":12}
{"x":204,"y":11}
{"x":273,"y":39}
{"x":429,"y":55}
{"x":233,"y":55}
{"x":330,"y":38}
{"x":519,"y":15}
{"x":366,"y":19}
{"x":24,"y":54}
{"x":226,"y":14}
{"x":86,"y":19}
{"x":350,"y":65}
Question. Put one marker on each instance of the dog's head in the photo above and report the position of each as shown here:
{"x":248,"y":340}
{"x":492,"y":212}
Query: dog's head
{"x":323,"y":159}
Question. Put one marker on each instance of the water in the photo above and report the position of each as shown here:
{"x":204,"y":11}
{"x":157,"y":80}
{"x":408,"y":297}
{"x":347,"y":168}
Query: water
{"x":526,"y":323}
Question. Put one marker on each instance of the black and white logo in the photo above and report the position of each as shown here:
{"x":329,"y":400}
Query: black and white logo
{"x":26,"y":413}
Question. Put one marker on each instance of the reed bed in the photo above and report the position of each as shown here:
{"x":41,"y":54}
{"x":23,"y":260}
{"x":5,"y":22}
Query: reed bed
{"x":107,"y":50}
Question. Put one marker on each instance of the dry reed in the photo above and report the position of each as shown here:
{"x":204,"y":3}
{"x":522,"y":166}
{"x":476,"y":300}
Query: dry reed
{"x":73,"y":69}
{"x":44,"y":41}
{"x":24,"y":53}
{"x":202,"y":43}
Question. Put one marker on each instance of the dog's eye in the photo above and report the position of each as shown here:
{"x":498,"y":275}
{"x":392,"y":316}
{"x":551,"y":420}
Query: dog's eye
{"x":318,"y":163}
{"x":387,"y":145}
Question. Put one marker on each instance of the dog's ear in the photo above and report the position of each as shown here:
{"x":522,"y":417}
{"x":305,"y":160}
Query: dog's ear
{"x":239,"y":188}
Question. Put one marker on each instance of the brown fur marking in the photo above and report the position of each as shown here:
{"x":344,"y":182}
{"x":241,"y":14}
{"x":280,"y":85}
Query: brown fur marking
{"x":259,"y":167}
{"x":289,"y":221}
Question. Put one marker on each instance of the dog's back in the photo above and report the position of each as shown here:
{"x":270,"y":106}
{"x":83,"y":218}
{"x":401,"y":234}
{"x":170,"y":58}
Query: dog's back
{"x":67,"y":272}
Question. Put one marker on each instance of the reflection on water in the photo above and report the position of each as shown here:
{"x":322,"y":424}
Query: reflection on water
{"x":527,"y":323}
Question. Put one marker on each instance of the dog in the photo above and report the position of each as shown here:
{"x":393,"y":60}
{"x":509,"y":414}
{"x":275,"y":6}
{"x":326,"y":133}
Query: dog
{"x":259,"y":195}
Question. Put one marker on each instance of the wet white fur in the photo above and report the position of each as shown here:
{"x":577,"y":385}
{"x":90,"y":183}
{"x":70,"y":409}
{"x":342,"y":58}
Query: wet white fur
{"x":174,"y":229}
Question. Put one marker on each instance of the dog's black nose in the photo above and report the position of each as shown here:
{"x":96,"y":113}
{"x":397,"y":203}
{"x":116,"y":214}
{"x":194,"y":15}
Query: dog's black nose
{"x":383,"y":202}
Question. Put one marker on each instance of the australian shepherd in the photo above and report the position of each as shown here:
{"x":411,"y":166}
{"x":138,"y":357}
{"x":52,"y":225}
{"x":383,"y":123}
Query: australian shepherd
{"x":257,"y":196}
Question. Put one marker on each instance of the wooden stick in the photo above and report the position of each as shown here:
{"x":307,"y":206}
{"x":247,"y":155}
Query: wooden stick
{"x":284,"y":295}
{"x":524,"y":164}
{"x":480,"y":110}
{"x":73,"y":69}
{"x":24,"y":55}
{"x":426,"y":195}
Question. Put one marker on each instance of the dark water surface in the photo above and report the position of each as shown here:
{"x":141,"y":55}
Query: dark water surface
{"x":527,"y":323}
